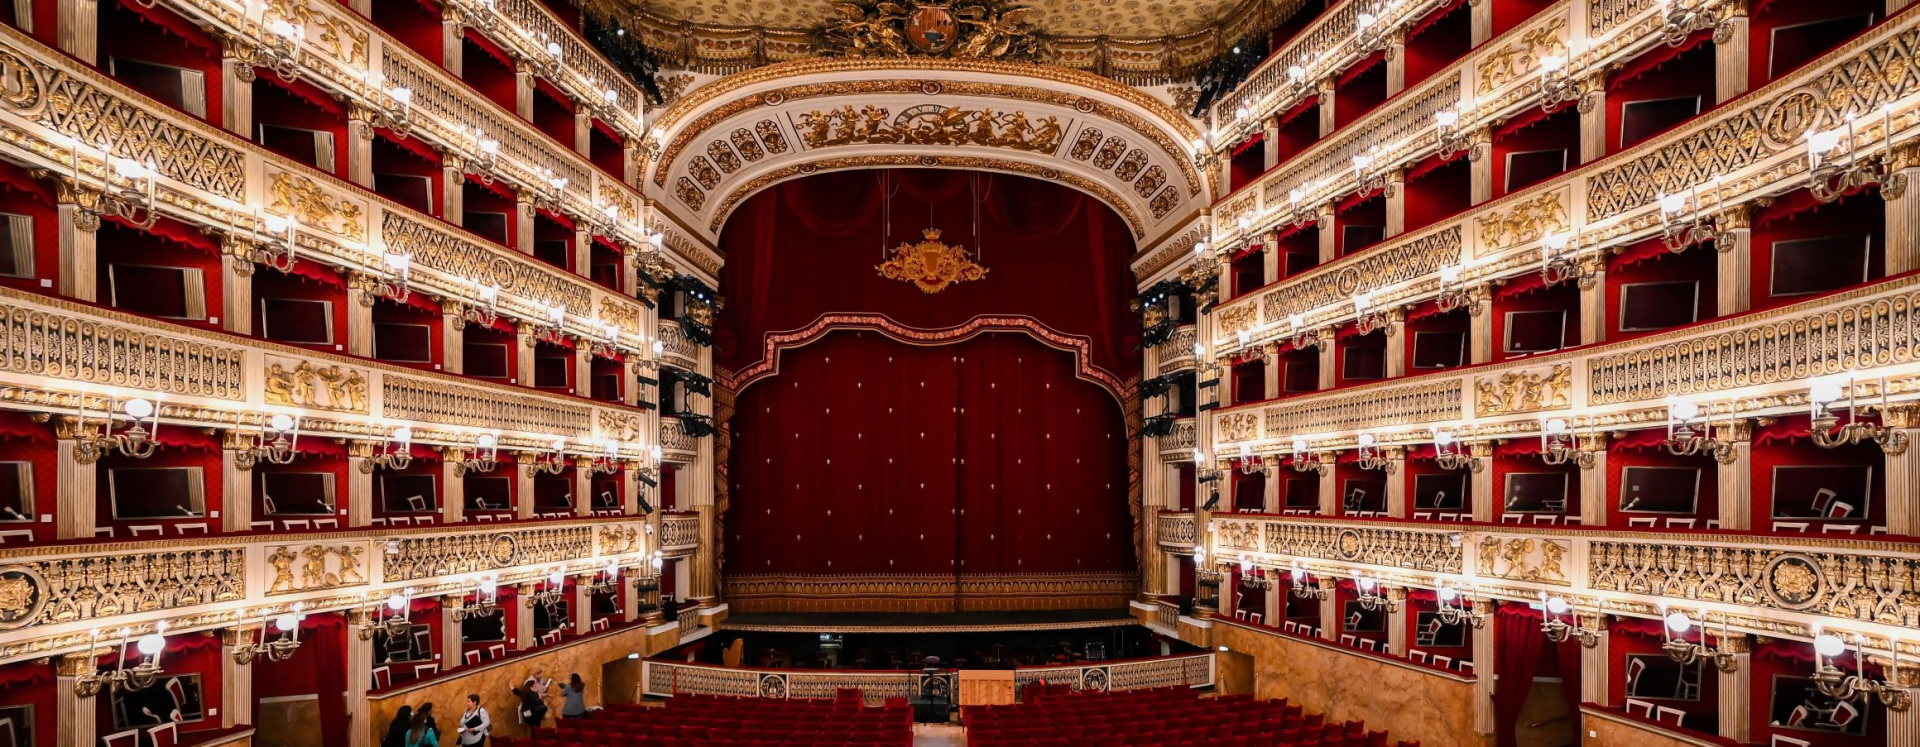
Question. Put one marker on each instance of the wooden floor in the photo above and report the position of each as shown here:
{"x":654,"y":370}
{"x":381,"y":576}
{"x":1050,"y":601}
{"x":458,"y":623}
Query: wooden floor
{"x":939,"y":735}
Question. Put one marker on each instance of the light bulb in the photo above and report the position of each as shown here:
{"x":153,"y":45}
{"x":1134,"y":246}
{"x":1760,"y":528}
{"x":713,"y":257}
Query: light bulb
{"x":1558,"y":241}
{"x":1450,"y":274}
{"x":1556,"y":426}
{"x":1825,"y":391}
{"x":1679,"y":623}
{"x":1673,"y":203}
{"x":1557,"y":605}
{"x":152,"y":643}
{"x":1446,"y":118}
{"x":401,"y":94}
{"x":1240,"y":113}
{"x":553,"y":48}
{"x":556,"y":577}
{"x":487,"y":440}
{"x":286,"y":622}
{"x":396,"y":602}
{"x":281,"y":28}
{"x":1299,"y":444}
{"x":1443,"y":438}
{"x":559,"y":444}
{"x":281,"y":422}
{"x":488,"y":586}
{"x":138,"y":408}
{"x":1447,"y":594}
{"x":1296,"y":72}
{"x":1683,"y":410}
{"x":1553,"y":62}
{"x":1821,"y":142}
{"x":1829,"y":645}
{"x":403,"y":433}
{"x":1368,"y":439}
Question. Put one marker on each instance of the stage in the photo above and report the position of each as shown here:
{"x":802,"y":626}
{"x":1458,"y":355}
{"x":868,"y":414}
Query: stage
{"x":926,"y":622}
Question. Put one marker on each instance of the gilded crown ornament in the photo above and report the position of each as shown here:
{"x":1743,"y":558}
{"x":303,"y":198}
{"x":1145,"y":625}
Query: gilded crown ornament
{"x":958,"y":29}
{"x":930,"y":264}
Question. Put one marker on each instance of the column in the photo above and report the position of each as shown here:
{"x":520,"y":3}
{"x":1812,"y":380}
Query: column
{"x":1593,"y":120}
{"x":1396,"y":64}
{"x":360,"y":483}
{"x":583,"y":133}
{"x":359,"y":666}
{"x":523,"y":209}
{"x":583,"y":486}
{"x":1482,"y":20}
{"x":236,"y":285}
{"x":523,"y":489}
{"x":1480,"y":164}
{"x":452,"y":40}
{"x":1271,"y":371}
{"x":583,"y":251}
{"x":1593,"y":663}
{"x":1329,"y":486}
{"x":1397,"y":503}
{"x":1903,"y":469}
{"x":631,"y":163}
{"x":1483,"y":643}
{"x":1903,"y":727}
{"x":1736,"y":691}
{"x":629,"y":597}
{"x":453,"y":180}
{"x":1276,"y":608}
{"x":1593,"y":481}
{"x":523,"y":90}
{"x":1732,"y":47}
{"x":236,"y":89}
{"x":77,"y":478}
{"x":74,"y":715}
{"x":1271,"y":129}
{"x":701,"y":586}
{"x":236,"y":482}
{"x":1270,"y":264}
{"x":453,"y":485}
{"x":1397,"y":343}
{"x":1396,"y":194}
{"x":79,"y":236}
{"x":78,"y":31}
{"x":1329,"y":609}
{"x":1903,"y":213}
{"x":582,"y":367}
{"x":1272,"y":496}
{"x":236,"y":679}
{"x":451,"y":637}
{"x":523,"y":637}
{"x":1734,"y":246}
{"x":524,"y":352}
{"x":1327,"y":94}
{"x":630,"y":487}
{"x":1484,"y":497}
{"x":1895,"y":6}
{"x":1397,"y":621}
{"x":1329,"y":369}
{"x":360,"y":298}
{"x":1329,"y":238}
{"x":453,"y":336}
{"x":363,"y":7}
{"x":1736,"y":477}
{"x":360,"y":145}
{"x":1480,"y":324}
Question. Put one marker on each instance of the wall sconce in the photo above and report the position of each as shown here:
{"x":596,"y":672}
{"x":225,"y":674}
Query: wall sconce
{"x":553,"y":462}
{"x":1453,"y":293}
{"x":1838,"y":684}
{"x":395,"y":453}
{"x":1559,"y":444}
{"x":1830,"y":431}
{"x":658,"y":560}
{"x":1446,"y":123}
{"x":137,"y":441}
{"x":126,"y":187}
{"x":486,"y":163}
{"x":1366,"y":178}
{"x":392,"y":616}
{"x":1374,"y":594}
{"x":553,"y":327}
{"x":484,"y":457}
{"x":485,"y":601}
{"x":1560,"y":261}
{"x":1306,"y":587}
{"x":1557,"y":629}
{"x":124,"y":678}
{"x":1373,"y":457}
{"x":607,"y":581}
{"x":607,"y":461}
{"x":1204,"y":157}
{"x":391,"y":279}
{"x":1680,"y":222}
{"x":1304,"y":460}
{"x":279,"y":253}
{"x":1684,"y":440}
{"x":1832,"y":177}
{"x":284,"y":50}
{"x":1455,"y":608}
{"x":1449,"y":453}
{"x":1297,"y":81}
{"x":1372,"y":318}
{"x":608,"y":344}
{"x":1204,"y":470}
{"x":1557,"y":84}
{"x":277,"y":649}
{"x":487,"y":311}
{"x":1250,"y":579}
{"x":547,"y":63}
{"x":550,"y":591}
{"x":271,"y":444}
{"x":1687,"y":652}
{"x":1371,"y":31}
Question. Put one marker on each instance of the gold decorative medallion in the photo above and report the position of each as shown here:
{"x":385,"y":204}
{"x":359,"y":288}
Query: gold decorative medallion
{"x":931,"y":265}
{"x":1793,"y":581}
{"x":22,"y":597}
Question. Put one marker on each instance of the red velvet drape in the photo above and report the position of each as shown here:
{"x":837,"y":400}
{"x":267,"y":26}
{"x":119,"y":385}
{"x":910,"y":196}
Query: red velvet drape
{"x":329,"y":639}
{"x":1518,"y":645}
{"x":871,"y":456}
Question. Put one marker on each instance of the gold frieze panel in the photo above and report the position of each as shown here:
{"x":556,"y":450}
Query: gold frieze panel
{"x":1532,"y":559}
{"x":445,"y":252}
{"x":930,"y":124}
{"x":1406,"y":549}
{"x":40,"y":342}
{"x":291,"y":382}
{"x":1398,"y":264}
{"x":315,"y":567}
{"x":1517,"y":58}
{"x":1525,"y":390}
{"x":1524,"y":221}
{"x":1873,"y":586}
{"x":1429,"y":402}
{"x":425,"y":557}
{"x":127,"y":583}
{"x":405,"y":398}
{"x":312,"y":207}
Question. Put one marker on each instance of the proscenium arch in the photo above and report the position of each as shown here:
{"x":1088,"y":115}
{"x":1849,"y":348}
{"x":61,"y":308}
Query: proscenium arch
{"x":727,"y":140}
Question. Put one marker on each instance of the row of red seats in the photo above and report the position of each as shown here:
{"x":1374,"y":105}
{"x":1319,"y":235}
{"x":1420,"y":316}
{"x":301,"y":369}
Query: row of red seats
{"x":710,"y":721}
{"x":1169,"y":717}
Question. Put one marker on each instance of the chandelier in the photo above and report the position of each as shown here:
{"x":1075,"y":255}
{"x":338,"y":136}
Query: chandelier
{"x":124,"y":678}
{"x":277,"y":649}
{"x":1836,"y":683}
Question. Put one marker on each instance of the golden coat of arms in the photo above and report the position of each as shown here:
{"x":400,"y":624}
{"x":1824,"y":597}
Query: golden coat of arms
{"x":930,"y":264}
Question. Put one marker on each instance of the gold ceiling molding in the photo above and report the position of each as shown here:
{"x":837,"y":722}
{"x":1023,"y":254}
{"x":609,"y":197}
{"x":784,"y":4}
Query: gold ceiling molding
{"x":741,"y":193}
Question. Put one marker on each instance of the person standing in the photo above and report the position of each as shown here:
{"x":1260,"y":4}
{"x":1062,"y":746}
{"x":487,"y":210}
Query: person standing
{"x":397,"y":729}
{"x":475,"y":724}
{"x":532,"y":710}
{"x":573,"y":695}
{"x":424,"y":733}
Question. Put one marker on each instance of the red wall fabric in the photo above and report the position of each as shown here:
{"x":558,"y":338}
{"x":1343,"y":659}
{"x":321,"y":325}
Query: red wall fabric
{"x":808,"y":248}
{"x":870,"y":456}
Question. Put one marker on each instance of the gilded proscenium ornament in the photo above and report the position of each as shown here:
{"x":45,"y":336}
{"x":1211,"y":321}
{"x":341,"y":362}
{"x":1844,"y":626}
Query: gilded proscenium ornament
{"x":930,"y":124}
{"x":1523,"y":391}
{"x":931,"y":265}
{"x":970,"y":30}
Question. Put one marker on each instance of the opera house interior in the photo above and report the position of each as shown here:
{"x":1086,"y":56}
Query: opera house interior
{"x":1404,"y":373}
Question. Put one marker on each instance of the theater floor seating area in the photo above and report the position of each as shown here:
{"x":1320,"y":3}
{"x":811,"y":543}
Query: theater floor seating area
{"x":723,"y":721}
{"x":1160,"y":717}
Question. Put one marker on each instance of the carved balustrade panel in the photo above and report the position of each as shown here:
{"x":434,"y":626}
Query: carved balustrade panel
{"x":39,"y":337}
{"x":675,"y":344}
{"x":414,"y":558}
{"x":679,"y":531}
{"x":423,"y":400}
{"x":1178,"y":445}
{"x":1176,"y":531}
{"x":1176,"y":353}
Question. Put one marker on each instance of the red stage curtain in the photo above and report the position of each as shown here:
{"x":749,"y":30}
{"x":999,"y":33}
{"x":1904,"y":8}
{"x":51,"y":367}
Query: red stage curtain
{"x":329,"y":639}
{"x":1518,"y":647}
{"x":808,"y":248}
{"x":871,"y":456}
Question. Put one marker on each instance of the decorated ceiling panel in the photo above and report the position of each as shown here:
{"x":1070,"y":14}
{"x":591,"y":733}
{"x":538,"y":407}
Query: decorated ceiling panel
{"x":1126,"y":151}
{"x":1120,"y":18}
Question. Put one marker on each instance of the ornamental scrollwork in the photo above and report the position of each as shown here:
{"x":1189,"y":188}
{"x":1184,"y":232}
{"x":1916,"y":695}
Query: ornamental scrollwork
{"x":1530,"y":390}
{"x":1872,"y":586}
{"x":966,"y":29}
{"x":1523,"y":559}
{"x":930,"y":124}
{"x":1527,"y":220}
{"x":1239,"y":426}
{"x":294,"y":568}
{"x":1395,"y":548}
{"x":109,"y":585}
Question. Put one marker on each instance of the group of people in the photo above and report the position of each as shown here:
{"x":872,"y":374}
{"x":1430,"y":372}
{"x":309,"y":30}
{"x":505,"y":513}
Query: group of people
{"x":415,"y":727}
